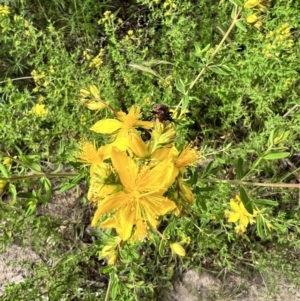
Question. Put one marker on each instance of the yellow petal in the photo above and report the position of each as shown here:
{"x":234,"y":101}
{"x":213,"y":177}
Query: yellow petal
{"x":177,"y":249}
{"x":94,"y":91}
{"x":144,"y":124}
{"x":141,"y":231}
{"x":156,"y":205}
{"x":244,"y":220}
{"x":156,"y":178}
{"x":233,"y":217}
{"x":234,"y":206}
{"x":137,"y":145}
{"x":126,"y":168}
{"x":126,"y":218}
{"x":110,"y":203}
{"x":161,"y":153}
{"x":106,"y":126}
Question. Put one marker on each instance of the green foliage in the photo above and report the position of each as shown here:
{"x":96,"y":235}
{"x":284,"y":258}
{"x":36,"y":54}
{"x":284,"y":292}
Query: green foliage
{"x":243,"y":101}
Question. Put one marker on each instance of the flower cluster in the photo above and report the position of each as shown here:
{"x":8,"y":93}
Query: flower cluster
{"x":240,"y":215}
{"x":130,"y":177}
{"x":41,"y":79}
{"x":39,"y":110}
{"x":278,"y":41}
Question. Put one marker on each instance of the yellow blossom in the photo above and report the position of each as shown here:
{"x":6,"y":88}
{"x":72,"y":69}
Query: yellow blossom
{"x":137,"y":145}
{"x":239,"y":213}
{"x":89,"y":154}
{"x":188,"y":157}
{"x":4,"y":10}
{"x":130,"y":33}
{"x":124,"y":123}
{"x":140,"y":202}
{"x":7,"y":161}
{"x":240,"y":229}
{"x":39,"y":110}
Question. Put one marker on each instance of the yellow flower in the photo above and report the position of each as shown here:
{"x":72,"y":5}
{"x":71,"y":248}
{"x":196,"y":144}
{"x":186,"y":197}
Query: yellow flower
{"x":177,"y":249}
{"x":251,"y":3}
{"x":124,"y":123}
{"x":7,"y":161}
{"x":140,"y":202}
{"x":130,"y":32}
{"x":89,"y":154}
{"x":239,"y":213}
{"x":4,"y":10}
{"x":39,"y":110}
{"x":240,"y":229}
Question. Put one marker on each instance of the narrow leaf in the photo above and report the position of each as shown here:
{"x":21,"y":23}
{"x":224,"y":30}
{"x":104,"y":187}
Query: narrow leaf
{"x":161,"y":248}
{"x":236,"y":2}
{"x":239,"y":169}
{"x":246,"y":200}
{"x":266,"y":202}
{"x":179,"y":85}
{"x":233,"y":12}
{"x":3,"y":171}
{"x":276,"y":156}
{"x":241,"y":26}
{"x":218,"y":70}
{"x":144,"y":69}
{"x":259,"y":226}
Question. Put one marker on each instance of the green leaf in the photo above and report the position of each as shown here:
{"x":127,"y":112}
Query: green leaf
{"x":144,"y":69}
{"x":241,"y":26}
{"x":236,"y":2}
{"x":276,"y":156}
{"x":205,"y":189}
{"x":239,"y":168}
{"x":161,"y":248}
{"x":266,"y":202}
{"x":218,"y":70}
{"x":246,"y":200}
{"x":179,"y":84}
{"x":3,"y":171}
{"x":259,"y":226}
{"x":234,"y":11}
{"x":13,"y":191}
{"x":185,"y":102}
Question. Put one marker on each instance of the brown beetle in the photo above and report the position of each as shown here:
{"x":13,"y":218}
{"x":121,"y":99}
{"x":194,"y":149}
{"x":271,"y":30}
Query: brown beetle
{"x":161,"y":113}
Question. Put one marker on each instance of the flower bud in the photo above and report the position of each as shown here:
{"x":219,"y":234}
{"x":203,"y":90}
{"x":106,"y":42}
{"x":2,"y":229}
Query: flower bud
{"x":95,"y":105}
{"x":177,"y":249}
{"x":252,"y":19}
{"x":251,"y":3}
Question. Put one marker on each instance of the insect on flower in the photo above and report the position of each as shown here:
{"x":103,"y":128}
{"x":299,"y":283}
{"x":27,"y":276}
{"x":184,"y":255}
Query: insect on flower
{"x":161,"y":113}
